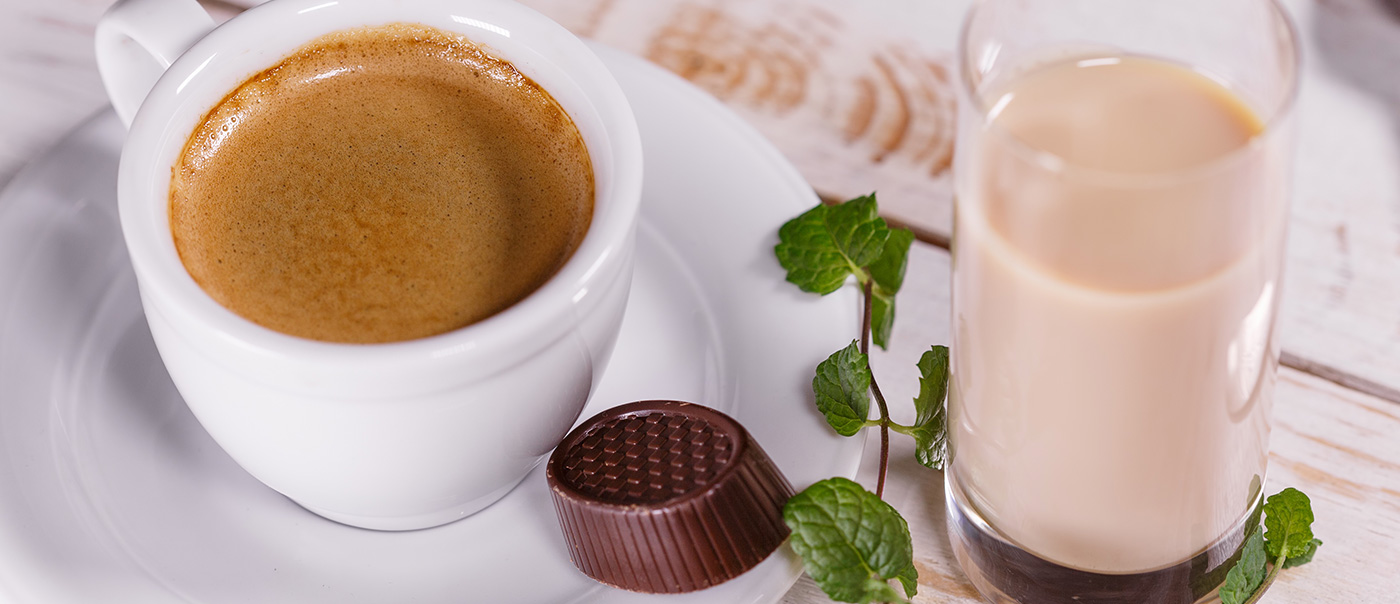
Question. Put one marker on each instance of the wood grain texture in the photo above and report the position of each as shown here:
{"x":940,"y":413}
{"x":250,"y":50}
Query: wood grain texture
{"x":857,"y":110}
{"x":859,"y":96}
{"x":1337,"y":445}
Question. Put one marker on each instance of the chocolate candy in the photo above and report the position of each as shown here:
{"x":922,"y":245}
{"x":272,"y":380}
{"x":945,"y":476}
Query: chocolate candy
{"x":666,"y":497}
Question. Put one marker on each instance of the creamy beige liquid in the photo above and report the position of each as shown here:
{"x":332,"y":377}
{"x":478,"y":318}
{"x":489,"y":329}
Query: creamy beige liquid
{"x":1116,"y":260}
{"x":380,"y":184}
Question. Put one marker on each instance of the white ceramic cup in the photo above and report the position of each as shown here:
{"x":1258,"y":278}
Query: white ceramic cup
{"x":394,"y":436}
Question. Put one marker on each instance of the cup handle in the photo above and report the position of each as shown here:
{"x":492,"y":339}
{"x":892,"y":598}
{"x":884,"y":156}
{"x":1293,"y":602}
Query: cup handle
{"x":137,"y":40}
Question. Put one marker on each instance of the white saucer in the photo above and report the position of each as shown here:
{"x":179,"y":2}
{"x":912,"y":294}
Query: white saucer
{"x":111,"y":492}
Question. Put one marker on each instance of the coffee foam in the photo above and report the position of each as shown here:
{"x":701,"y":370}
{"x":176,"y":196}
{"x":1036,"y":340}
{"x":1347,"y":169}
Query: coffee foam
{"x":380,"y":184}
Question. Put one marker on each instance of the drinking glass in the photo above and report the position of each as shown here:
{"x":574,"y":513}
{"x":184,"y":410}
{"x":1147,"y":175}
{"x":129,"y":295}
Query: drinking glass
{"x":1114,"y":356}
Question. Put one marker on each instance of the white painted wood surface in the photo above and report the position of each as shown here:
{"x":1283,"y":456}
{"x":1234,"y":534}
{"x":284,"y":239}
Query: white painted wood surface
{"x":857,"y":94}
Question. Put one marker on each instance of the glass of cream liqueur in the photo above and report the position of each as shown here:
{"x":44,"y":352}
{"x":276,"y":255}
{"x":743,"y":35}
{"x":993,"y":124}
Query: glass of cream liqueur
{"x":1122,"y":202}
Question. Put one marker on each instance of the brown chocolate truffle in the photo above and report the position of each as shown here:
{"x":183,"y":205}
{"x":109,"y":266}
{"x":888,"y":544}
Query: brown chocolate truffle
{"x":666,"y":497}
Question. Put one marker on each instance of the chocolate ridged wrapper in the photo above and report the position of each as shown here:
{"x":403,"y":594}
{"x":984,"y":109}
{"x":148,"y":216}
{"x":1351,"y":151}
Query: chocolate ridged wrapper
{"x":666,"y":497}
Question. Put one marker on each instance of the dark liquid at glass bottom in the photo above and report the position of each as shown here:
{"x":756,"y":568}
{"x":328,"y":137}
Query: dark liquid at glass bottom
{"x":1005,"y":573}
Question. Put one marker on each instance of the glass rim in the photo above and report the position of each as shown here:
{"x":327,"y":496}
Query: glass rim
{"x":1055,"y":163}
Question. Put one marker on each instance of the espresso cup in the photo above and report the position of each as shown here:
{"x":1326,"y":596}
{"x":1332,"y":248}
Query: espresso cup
{"x":393,"y":436}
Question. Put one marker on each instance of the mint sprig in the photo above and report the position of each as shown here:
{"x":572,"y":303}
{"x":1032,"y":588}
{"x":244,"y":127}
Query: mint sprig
{"x":851,"y":542}
{"x":1286,"y":540}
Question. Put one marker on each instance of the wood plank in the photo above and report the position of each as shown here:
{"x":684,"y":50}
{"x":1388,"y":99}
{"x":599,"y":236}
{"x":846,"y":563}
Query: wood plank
{"x":862,"y":100}
{"x":1337,"y":445}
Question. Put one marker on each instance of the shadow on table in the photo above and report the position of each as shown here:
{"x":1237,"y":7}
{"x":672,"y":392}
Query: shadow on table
{"x":1359,"y":40}
{"x":1393,"y":6}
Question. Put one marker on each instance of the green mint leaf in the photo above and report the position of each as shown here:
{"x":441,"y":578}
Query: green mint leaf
{"x":1288,"y":519}
{"x":825,"y":244}
{"x":851,"y":542}
{"x":930,"y":429}
{"x":1309,"y":550}
{"x":1247,"y":574}
{"x":810,"y":256}
{"x":858,"y":230}
{"x":881,"y":320}
{"x":842,"y":386}
{"x":909,"y":578}
{"x":888,"y":273}
{"x":888,"y":269}
{"x":875,"y":590}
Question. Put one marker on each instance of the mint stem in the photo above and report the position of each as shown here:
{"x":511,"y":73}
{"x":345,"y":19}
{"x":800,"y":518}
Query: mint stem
{"x":866,"y":289}
{"x":1268,"y":580}
{"x":884,"y":438}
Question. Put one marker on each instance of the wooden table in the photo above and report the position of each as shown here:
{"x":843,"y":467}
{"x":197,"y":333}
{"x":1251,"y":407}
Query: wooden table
{"x":858,"y":95}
